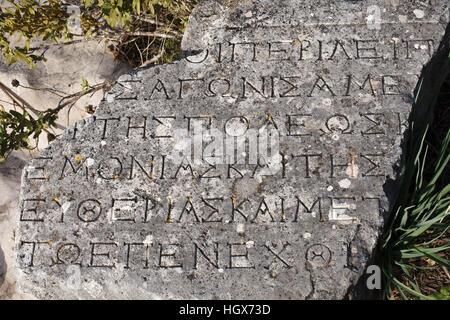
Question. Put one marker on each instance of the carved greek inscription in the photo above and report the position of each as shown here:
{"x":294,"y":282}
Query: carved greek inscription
{"x":74,"y":167}
{"x":267,"y":209}
{"x":152,"y":197}
{"x":127,"y":93}
{"x":277,"y":255}
{"x":213,"y":215}
{"x":210,"y":127}
{"x":68,"y":253}
{"x":89,"y":210}
{"x":376,"y":119}
{"x":105,"y":125}
{"x":297,"y":120}
{"x":402,"y":121}
{"x":212,"y":259}
{"x":38,"y":173}
{"x":318,"y":255}
{"x":135,"y":246}
{"x":137,"y":127}
{"x":123,"y":209}
{"x":270,"y":86}
{"x":30,"y":210}
{"x":368,"y":82}
{"x":149,"y":168}
{"x":239,"y":257}
{"x":374,"y":170}
{"x":163,"y":255}
{"x":159,"y":90}
{"x":304,"y":49}
{"x":100,"y":256}
{"x":163,"y":129}
{"x":168,"y":258}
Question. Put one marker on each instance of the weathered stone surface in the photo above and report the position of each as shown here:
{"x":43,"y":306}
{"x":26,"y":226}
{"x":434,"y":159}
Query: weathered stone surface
{"x":115,"y":209}
{"x":62,"y":73}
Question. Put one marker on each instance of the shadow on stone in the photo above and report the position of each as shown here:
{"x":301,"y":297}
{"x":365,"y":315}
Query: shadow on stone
{"x":3,"y":267}
{"x":395,"y":187}
{"x":421,"y":115}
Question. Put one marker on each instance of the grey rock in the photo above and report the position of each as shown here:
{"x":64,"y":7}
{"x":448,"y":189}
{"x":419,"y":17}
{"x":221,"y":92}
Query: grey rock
{"x":115,"y":209}
{"x":3,"y":267}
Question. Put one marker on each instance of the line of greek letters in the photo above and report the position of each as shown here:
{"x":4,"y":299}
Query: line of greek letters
{"x":290,"y":125}
{"x":319,"y":50}
{"x":283,"y":86}
{"x":305,"y":165}
{"x":155,"y":255}
{"x":226,"y":210}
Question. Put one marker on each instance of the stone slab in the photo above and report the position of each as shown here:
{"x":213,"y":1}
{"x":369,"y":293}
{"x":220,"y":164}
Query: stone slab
{"x":261,"y":165}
